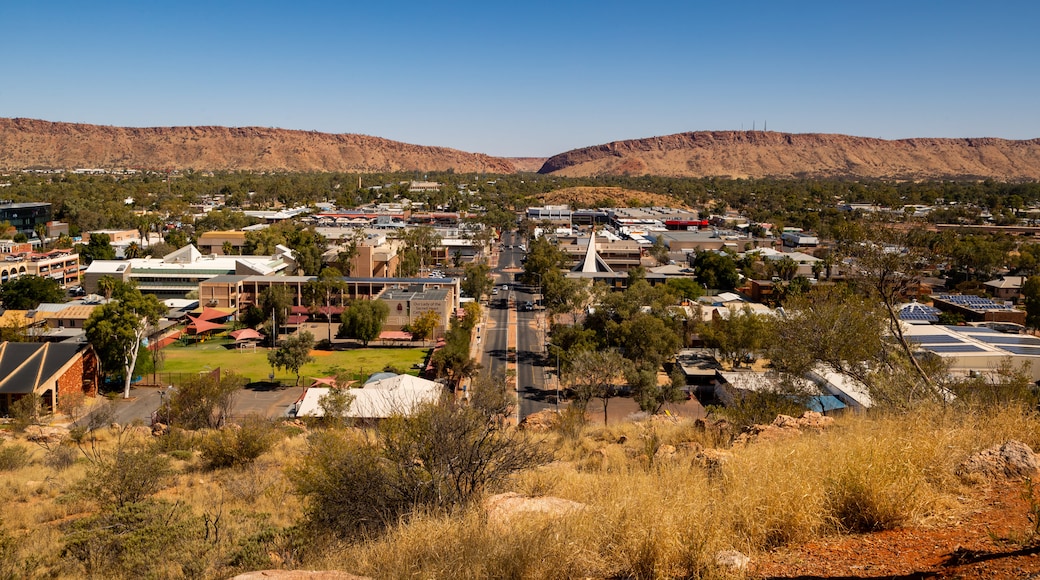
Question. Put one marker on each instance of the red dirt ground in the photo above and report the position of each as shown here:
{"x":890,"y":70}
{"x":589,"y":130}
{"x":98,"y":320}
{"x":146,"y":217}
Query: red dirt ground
{"x":975,"y":545}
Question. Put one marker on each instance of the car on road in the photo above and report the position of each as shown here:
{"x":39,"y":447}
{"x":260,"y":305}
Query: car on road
{"x":527,"y":307}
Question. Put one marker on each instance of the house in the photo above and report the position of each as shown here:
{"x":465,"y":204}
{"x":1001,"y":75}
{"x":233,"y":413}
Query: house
{"x":978,"y":309}
{"x":46,"y":370}
{"x":1006,"y":288}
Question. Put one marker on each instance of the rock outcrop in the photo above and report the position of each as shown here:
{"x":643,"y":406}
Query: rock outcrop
{"x":754,"y":154}
{"x":784,"y":426}
{"x":1011,"y":460}
{"x":30,"y":143}
{"x":504,"y":507}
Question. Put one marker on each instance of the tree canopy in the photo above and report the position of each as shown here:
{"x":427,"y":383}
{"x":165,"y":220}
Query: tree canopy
{"x":29,"y":291}
{"x":364,"y":320}
{"x":116,"y":330}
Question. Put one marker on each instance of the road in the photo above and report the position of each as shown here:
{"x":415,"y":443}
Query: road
{"x":526,"y":330}
{"x":261,"y":401}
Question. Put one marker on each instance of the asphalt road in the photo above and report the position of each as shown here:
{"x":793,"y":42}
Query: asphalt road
{"x":261,"y":401}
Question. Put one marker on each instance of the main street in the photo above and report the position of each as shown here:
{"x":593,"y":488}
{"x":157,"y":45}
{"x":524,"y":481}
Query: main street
{"x":507,"y":325}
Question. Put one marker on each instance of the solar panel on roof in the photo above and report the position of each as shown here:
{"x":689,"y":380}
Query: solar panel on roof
{"x":978,"y":330}
{"x":935,"y":339}
{"x":1002,"y":339}
{"x":1025,"y":350}
{"x":956,"y":348}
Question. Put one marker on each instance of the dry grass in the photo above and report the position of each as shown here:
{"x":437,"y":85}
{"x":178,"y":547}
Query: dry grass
{"x":665,"y":517}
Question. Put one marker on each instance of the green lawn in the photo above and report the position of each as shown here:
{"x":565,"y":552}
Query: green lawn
{"x":253,"y":364}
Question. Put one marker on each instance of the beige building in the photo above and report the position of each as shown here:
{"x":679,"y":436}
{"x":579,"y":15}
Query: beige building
{"x":408,"y":304}
{"x":60,"y":265}
{"x":213,"y":242}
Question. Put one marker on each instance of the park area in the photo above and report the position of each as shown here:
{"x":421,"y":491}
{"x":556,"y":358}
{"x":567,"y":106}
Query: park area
{"x":252,"y":363}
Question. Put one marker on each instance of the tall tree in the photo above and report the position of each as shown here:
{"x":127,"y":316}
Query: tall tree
{"x":737,"y":336}
{"x":321,"y":293}
{"x":364,"y":320}
{"x":595,"y":374}
{"x":1031,"y":300}
{"x":275,"y":302}
{"x":477,"y":281}
{"x":293,"y":353}
{"x":27,"y":292}
{"x":715,"y":270}
{"x":117,"y":329}
{"x":99,"y":248}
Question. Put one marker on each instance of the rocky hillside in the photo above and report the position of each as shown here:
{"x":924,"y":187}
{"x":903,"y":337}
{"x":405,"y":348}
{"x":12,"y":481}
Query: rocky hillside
{"x":28,"y":143}
{"x":746,"y":154}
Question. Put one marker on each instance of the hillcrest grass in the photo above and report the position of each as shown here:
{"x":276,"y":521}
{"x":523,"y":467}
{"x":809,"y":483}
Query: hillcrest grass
{"x":645,"y":518}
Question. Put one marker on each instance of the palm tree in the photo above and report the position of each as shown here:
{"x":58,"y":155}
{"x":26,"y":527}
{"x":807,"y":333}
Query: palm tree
{"x":106,"y":285}
{"x":133,"y":250}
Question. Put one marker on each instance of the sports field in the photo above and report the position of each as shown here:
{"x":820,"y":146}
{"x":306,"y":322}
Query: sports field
{"x":253,"y":364}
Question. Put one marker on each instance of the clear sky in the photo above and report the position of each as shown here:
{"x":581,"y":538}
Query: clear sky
{"x":530,"y":78}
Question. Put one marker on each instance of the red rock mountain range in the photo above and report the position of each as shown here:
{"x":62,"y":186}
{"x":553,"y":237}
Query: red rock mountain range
{"x":29,"y":143}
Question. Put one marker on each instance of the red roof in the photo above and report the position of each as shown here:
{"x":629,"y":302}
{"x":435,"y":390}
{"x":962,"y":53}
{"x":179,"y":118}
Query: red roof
{"x":246,"y":334}
{"x":296,"y":319}
{"x":212,"y":314}
{"x":198,"y":326}
{"x":395,"y":335}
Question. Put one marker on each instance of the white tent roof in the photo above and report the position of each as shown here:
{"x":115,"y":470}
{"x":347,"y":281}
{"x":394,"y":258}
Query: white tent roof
{"x":400,"y":394}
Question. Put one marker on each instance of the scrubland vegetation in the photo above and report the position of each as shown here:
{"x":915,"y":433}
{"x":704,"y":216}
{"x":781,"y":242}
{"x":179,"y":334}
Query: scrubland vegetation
{"x":404,"y":499}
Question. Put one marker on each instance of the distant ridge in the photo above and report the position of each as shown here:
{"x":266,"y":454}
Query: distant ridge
{"x":757,"y":154}
{"x":30,"y":143}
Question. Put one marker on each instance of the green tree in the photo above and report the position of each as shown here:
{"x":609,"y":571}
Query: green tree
{"x":477,"y":281}
{"x":418,"y":251}
{"x":322,"y":293}
{"x":686,"y":288}
{"x":1031,"y":301}
{"x":201,"y":401}
{"x":28,"y":292}
{"x":423,"y":326}
{"x":275,"y":302}
{"x":715,"y":270}
{"x":133,"y":250}
{"x":293,"y":353}
{"x":659,"y":251}
{"x":99,"y":248}
{"x":647,"y":340}
{"x":649,"y":394}
{"x":737,"y":336}
{"x":116,"y":329}
{"x":364,"y":320}
{"x":595,"y":374}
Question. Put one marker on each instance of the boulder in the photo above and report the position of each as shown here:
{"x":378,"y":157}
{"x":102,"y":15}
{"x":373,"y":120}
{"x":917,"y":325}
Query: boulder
{"x":732,"y":560}
{"x":45,"y":434}
{"x":504,"y":507}
{"x":665,"y":451}
{"x":785,"y":426}
{"x":1011,"y":460}
{"x":540,"y":422}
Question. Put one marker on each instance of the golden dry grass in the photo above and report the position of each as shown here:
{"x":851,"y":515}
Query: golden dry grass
{"x":647,"y":515}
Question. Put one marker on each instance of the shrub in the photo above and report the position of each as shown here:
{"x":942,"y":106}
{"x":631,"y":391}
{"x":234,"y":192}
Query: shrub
{"x":202,"y":401}
{"x":60,"y":457}
{"x":238,"y":445}
{"x":13,"y":457}
{"x":128,"y":475}
{"x":441,"y":457}
{"x":150,"y":539}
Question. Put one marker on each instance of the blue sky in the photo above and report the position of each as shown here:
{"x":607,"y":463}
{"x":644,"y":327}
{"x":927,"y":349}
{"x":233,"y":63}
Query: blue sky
{"x":529,"y":78}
